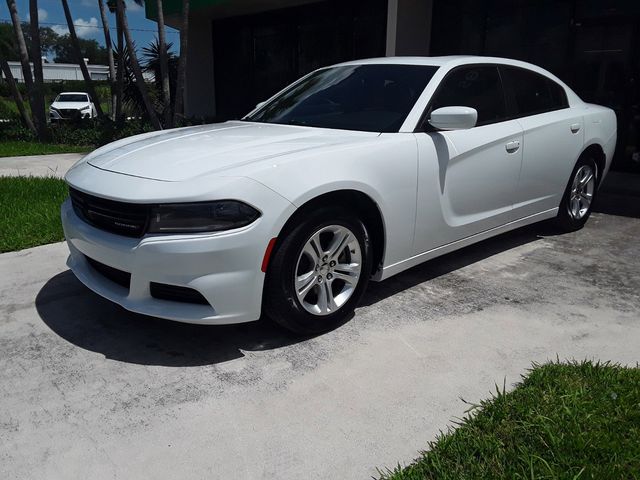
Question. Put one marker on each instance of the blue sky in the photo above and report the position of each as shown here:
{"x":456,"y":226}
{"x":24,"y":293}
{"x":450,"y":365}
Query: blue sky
{"x":86,"y":16}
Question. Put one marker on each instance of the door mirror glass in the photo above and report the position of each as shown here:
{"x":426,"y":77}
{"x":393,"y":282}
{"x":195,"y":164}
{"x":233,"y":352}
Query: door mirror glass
{"x":453,"y":118}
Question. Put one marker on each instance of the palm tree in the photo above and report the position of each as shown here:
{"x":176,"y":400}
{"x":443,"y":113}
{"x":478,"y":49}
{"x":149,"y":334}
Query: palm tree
{"x":81,"y":62}
{"x":36,"y":58}
{"x":38,"y":116}
{"x":164,"y":67}
{"x":15,"y":93}
{"x":178,"y":108}
{"x":108,"y":44}
{"x":113,"y":8}
{"x":135,"y":66}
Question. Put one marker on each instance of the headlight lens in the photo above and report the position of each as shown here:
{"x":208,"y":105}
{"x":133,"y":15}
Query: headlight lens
{"x":201,"y":217}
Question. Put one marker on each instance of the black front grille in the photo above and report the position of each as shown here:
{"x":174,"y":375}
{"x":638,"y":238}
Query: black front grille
{"x":116,"y":276}
{"x":69,"y":112}
{"x":128,"y":219}
{"x":173,"y":293}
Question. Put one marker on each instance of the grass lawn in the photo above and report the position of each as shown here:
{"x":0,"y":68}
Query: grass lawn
{"x":19,"y":148}
{"x":30,"y":211}
{"x":563,"y":421}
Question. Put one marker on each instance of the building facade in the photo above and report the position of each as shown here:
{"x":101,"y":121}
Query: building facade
{"x":243,"y":51}
{"x":57,"y":72}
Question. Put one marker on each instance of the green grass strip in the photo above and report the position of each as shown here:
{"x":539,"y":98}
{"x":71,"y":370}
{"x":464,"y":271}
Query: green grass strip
{"x":30,"y":211}
{"x":563,"y":421}
{"x":11,"y":148}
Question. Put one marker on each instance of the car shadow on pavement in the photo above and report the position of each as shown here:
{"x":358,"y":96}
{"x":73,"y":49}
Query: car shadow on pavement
{"x":88,"y":321}
{"x":450,"y":262}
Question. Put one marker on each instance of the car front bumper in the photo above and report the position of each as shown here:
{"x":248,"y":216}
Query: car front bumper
{"x":224,"y":267}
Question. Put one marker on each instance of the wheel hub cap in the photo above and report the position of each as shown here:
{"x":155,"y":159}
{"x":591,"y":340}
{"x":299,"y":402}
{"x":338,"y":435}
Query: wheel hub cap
{"x":328,"y":270}
{"x":582,"y":189}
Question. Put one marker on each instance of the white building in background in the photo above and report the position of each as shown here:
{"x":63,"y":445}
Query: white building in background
{"x":56,"y":72}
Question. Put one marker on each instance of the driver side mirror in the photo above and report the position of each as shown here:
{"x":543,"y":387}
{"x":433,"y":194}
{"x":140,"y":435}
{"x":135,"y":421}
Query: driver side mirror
{"x":453,"y":118}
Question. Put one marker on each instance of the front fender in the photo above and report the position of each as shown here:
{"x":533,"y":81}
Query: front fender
{"x":384,"y":169}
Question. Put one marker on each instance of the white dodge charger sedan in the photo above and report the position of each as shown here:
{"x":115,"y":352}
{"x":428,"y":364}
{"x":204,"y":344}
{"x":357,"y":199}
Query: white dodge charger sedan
{"x":357,"y":171}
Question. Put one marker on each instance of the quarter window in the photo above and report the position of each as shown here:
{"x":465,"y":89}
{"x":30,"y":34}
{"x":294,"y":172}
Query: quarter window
{"x":474,"y":86}
{"x":533,"y":93}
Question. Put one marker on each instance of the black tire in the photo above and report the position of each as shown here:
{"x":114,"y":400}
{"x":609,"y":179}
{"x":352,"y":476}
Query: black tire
{"x":280,"y":301}
{"x":565,"y":221}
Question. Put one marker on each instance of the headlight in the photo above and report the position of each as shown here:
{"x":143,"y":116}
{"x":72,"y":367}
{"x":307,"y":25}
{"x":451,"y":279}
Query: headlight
{"x":85,"y":108}
{"x":52,"y":109}
{"x":201,"y":217}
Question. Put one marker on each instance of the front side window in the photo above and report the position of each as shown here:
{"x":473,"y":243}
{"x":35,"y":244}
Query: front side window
{"x":533,"y":93}
{"x":473,"y":86}
{"x":372,"y":98}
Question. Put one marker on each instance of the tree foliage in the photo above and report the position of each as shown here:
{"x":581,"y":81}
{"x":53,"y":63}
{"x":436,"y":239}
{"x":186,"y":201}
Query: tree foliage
{"x":64,"y":52}
{"x":53,"y":45}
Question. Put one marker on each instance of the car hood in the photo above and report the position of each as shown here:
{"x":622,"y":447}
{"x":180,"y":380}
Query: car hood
{"x":185,"y":153}
{"x":70,"y":105}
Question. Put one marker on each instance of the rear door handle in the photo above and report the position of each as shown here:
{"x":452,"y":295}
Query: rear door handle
{"x":512,"y":147}
{"x":575,"y":128}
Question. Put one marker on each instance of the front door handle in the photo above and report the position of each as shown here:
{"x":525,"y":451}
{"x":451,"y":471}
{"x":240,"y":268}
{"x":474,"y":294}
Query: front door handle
{"x":575,"y":127}
{"x":512,"y":147}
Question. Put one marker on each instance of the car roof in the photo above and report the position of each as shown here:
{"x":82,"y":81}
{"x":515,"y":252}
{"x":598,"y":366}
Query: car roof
{"x":73,"y":93}
{"x":447,"y":60}
{"x":450,"y":61}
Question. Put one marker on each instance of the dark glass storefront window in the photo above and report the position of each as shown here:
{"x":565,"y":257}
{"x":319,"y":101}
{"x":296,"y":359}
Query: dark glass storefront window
{"x":255,"y":56}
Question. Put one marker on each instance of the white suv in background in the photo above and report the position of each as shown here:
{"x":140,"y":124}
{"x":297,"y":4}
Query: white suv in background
{"x":72,"y":105}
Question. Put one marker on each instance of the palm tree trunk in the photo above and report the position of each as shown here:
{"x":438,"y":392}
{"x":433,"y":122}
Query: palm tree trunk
{"x":164,"y":67}
{"x":121,"y":69}
{"x":112,"y":67}
{"x":26,"y":68}
{"x":15,"y":93}
{"x":83,"y":65}
{"x":178,"y":109}
{"x":137,"y":72}
{"x":38,"y":77}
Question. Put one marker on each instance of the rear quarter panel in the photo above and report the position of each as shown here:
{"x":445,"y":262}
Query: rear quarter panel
{"x":600,"y":128}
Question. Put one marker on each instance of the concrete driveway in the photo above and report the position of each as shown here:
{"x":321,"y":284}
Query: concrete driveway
{"x":55,"y":165}
{"x":88,"y":390}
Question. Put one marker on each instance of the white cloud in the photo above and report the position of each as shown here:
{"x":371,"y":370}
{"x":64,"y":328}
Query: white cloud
{"x":42,"y":14}
{"x":132,"y":6}
{"x":59,"y":29}
{"x":86,"y":28}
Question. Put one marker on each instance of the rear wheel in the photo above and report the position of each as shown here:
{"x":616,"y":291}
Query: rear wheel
{"x":579,"y":195}
{"x":319,"y":272}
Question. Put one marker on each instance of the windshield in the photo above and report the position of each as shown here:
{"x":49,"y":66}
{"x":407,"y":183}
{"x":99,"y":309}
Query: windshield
{"x":72,"y":97}
{"x":371,"y":98}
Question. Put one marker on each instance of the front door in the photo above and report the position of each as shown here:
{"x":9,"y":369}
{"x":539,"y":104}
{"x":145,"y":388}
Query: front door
{"x":467,"y":178}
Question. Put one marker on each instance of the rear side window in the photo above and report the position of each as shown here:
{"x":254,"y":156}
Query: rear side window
{"x":473,"y":86}
{"x":532,"y":93}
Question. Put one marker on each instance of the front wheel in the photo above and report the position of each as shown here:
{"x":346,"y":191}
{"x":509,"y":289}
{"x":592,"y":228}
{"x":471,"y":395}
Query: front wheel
{"x":575,"y":207}
{"x":319,"y":272}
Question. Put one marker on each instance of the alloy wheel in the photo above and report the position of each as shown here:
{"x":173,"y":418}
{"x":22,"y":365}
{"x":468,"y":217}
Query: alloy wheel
{"x":582,"y":189}
{"x":328,"y":270}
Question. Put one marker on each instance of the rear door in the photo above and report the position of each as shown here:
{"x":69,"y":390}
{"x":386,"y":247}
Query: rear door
{"x":467,"y":178}
{"x":553,"y":138}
